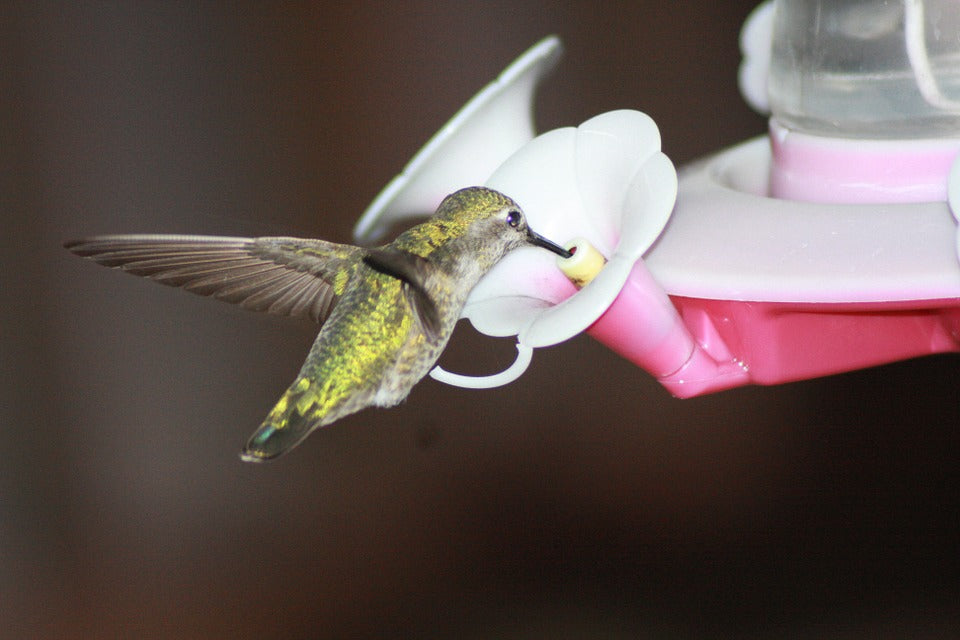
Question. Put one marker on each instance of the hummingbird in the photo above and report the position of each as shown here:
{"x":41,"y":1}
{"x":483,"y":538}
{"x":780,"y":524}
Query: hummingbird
{"x":385,"y":313}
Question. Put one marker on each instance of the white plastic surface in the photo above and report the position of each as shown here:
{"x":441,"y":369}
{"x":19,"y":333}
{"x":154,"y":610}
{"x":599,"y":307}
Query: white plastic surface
{"x":728,"y":241}
{"x":606,"y":181}
{"x":508,"y":375}
{"x":756,"y":40}
{"x":484,"y":133}
{"x":953,"y":197}
{"x":716,"y":235}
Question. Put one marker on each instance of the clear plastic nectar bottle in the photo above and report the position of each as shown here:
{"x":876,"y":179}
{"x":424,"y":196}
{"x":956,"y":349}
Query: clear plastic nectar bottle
{"x":873,"y":69}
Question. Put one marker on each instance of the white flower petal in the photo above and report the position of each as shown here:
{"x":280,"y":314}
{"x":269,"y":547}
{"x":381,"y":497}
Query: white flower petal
{"x":607,"y":181}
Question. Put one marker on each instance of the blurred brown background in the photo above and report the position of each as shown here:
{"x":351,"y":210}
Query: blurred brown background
{"x":549,"y":508}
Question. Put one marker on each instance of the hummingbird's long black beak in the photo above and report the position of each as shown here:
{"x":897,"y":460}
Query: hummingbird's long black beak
{"x":538,"y":240}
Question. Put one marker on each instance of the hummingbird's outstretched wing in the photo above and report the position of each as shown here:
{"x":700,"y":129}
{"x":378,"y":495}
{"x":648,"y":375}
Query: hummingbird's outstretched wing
{"x":286,"y":276}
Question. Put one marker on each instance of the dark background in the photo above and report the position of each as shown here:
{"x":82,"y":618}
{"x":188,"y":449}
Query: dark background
{"x":580,"y":501}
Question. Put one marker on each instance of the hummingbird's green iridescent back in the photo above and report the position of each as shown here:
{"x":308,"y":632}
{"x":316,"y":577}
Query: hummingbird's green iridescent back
{"x":362,"y":338}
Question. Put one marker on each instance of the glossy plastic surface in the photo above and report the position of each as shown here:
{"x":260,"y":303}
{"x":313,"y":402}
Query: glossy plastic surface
{"x":710,"y":283}
{"x":866,"y":69}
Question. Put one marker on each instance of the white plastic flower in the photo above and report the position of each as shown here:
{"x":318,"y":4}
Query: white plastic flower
{"x":606,"y":181}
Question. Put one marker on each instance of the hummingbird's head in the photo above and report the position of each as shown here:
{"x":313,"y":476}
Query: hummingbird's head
{"x":487,"y":222}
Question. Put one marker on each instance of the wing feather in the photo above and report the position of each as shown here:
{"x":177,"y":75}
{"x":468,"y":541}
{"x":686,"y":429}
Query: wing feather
{"x":285,"y":276}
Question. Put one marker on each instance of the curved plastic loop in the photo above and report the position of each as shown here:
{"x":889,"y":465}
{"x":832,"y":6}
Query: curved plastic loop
{"x":508,"y":375}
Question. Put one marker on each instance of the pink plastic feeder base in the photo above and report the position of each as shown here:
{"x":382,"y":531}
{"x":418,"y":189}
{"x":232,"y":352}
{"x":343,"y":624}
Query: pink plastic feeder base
{"x":739,"y":343}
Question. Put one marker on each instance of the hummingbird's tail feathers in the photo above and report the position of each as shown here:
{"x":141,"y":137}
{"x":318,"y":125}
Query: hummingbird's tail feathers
{"x":285,"y":276}
{"x":293,"y":418}
{"x":271,"y":441}
{"x":411,"y":270}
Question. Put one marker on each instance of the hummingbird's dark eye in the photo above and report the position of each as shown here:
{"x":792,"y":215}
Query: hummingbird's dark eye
{"x":513,"y":218}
